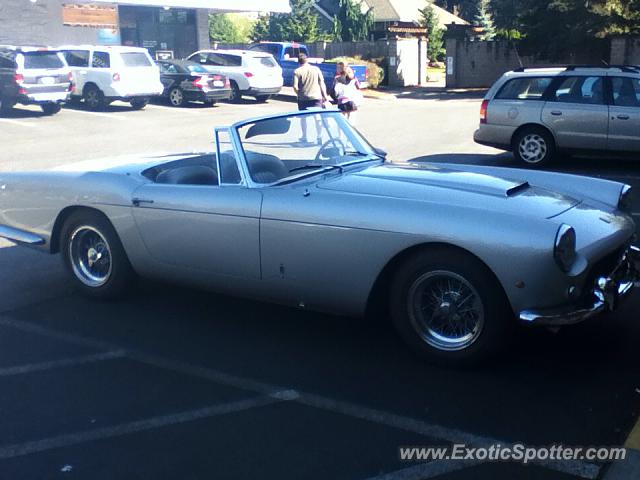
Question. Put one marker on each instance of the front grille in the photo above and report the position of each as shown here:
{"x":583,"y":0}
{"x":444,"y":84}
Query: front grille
{"x":606,"y":265}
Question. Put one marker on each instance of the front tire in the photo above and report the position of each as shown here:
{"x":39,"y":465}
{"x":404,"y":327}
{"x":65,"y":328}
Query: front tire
{"x":534,"y":147}
{"x":94,"y":256}
{"x":449,"y":308}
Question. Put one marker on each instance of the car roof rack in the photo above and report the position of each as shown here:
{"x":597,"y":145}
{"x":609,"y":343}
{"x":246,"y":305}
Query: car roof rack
{"x":570,"y":68}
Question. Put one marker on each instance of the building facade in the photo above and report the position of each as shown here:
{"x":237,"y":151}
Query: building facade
{"x":173,"y":28}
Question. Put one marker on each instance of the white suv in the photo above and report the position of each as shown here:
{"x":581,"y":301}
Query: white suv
{"x":104,"y":74}
{"x":251,"y":73}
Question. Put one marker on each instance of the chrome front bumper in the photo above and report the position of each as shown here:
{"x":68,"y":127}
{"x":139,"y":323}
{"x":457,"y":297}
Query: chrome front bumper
{"x":605,"y":296}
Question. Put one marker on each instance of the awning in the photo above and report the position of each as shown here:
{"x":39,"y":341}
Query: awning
{"x":276,"y":6}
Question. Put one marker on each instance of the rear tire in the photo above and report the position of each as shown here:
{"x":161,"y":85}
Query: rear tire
{"x":176,"y":97}
{"x":50,"y":108}
{"x":263,"y":98}
{"x":534,"y":146}
{"x":94,"y":256}
{"x":139,"y":103}
{"x":236,"y":95}
{"x":210,"y":103}
{"x":6,"y":106}
{"x":93,"y":98}
{"x":449,"y":308}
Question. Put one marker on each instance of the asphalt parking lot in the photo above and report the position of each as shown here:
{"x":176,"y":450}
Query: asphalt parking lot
{"x":183,"y":384}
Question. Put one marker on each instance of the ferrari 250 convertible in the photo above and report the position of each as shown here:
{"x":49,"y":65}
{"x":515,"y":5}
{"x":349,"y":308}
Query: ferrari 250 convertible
{"x":300,"y":209}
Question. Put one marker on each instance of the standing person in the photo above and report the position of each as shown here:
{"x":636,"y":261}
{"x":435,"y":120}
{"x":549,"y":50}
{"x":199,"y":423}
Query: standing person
{"x":349,"y":95}
{"x":308,"y":83}
{"x":338,"y":79}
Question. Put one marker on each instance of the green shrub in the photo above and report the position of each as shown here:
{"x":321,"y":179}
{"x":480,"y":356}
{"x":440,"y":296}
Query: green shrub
{"x":375,"y":71}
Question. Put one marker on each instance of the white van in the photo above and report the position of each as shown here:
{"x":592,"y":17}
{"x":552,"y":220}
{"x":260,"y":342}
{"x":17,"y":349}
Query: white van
{"x":102,"y":75}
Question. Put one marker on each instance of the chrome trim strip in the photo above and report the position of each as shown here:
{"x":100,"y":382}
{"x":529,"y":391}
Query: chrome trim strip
{"x":20,"y":236}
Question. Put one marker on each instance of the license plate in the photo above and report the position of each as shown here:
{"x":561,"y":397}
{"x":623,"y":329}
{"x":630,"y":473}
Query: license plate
{"x":47,"y":80}
{"x":218,"y":83}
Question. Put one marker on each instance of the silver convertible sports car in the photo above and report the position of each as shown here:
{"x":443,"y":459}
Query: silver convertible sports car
{"x":300,"y":209}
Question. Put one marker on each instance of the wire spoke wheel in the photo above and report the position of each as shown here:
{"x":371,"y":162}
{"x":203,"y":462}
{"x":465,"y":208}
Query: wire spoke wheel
{"x":533,"y":148}
{"x":445,"y":310}
{"x":90,"y":256}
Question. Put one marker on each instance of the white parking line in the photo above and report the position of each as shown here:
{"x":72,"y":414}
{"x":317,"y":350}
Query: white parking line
{"x":66,"y":362}
{"x":113,"y":115}
{"x":432,"y":431}
{"x":197,"y":111}
{"x":17,"y":122}
{"x":20,"y":449}
{"x":427,"y":470}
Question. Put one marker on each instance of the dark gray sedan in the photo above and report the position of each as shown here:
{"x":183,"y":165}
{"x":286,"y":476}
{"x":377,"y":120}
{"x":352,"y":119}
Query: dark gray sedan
{"x":185,"y":81}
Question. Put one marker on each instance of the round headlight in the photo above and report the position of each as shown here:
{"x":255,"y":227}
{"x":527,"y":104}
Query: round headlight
{"x":564,"y":251}
{"x":626,"y":199}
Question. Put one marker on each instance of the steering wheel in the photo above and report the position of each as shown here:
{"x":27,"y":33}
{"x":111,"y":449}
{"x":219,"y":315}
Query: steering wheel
{"x":334,"y":142}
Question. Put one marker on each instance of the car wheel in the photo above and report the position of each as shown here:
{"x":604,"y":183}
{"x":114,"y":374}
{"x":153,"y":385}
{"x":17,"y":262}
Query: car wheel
{"x":50,"y":108}
{"x":94,"y":256}
{"x":449,"y":308}
{"x":534,"y":147}
{"x":139,"y":103}
{"x":93,"y":98}
{"x":176,"y":97}
{"x":5,"y":106}
{"x":236,"y":95}
{"x":263,"y":98}
{"x":210,"y":103}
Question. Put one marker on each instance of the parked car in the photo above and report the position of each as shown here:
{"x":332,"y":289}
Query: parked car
{"x":102,"y":75}
{"x":538,"y":113}
{"x":255,"y":74}
{"x":457,"y":253}
{"x":185,"y":81}
{"x":33,"y":76}
{"x":286,"y":54}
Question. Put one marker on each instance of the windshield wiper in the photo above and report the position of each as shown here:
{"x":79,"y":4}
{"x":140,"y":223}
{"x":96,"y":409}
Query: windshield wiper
{"x":315,"y":165}
{"x":356,"y":154}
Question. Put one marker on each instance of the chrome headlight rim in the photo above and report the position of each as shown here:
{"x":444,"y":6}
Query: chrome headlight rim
{"x":626,"y":198}
{"x":564,"y":250}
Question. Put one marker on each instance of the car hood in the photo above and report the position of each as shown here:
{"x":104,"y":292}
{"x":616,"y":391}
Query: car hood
{"x":433,"y":184}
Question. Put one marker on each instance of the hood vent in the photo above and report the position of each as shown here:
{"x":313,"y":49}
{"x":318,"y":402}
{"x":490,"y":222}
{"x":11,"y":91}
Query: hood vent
{"x":517,"y":189}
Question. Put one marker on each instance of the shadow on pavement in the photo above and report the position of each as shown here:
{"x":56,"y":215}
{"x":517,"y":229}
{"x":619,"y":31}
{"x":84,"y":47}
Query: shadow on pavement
{"x":18,"y":113}
{"x":436,"y":93}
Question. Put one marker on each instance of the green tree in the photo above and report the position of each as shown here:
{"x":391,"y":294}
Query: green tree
{"x":229,"y":28}
{"x":619,"y":16}
{"x":465,"y":9}
{"x":429,"y":20}
{"x":351,"y":24}
{"x":301,"y":25}
{"x":485,"y":20}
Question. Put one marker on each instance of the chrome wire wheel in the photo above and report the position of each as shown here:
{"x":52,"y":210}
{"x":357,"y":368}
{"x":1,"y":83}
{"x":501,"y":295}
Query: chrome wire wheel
{"x":533,"y":148}
{"x":176,"y":97}
{"x":90,"y":256}
{"x":445,"y":310}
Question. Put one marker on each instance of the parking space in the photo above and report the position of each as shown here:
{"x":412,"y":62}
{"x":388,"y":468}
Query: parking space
{"x":179,"y":383}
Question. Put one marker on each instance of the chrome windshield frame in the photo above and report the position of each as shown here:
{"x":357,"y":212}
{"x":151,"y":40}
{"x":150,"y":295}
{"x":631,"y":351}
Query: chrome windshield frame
{"x":234,"y":130}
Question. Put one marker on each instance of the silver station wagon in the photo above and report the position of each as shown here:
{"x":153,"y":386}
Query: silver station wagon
{"x":537,"y":113}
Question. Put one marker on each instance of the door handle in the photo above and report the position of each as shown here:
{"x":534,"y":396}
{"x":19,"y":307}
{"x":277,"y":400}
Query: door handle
{"x":556,"y":113}
{"x":623,"y":117}
{"x":137,"y":201}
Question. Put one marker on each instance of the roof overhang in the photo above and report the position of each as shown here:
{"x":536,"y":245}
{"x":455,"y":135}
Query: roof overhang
{"x":276,"y":6}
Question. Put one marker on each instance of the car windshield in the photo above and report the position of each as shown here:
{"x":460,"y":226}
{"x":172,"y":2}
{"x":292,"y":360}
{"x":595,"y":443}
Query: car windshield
{"x":284,"y":148}
{"x":37,"y":60}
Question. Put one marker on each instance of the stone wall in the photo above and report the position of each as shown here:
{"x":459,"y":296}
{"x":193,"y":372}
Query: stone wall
{"x":625,"y":50}
{"x":472,"y":64}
